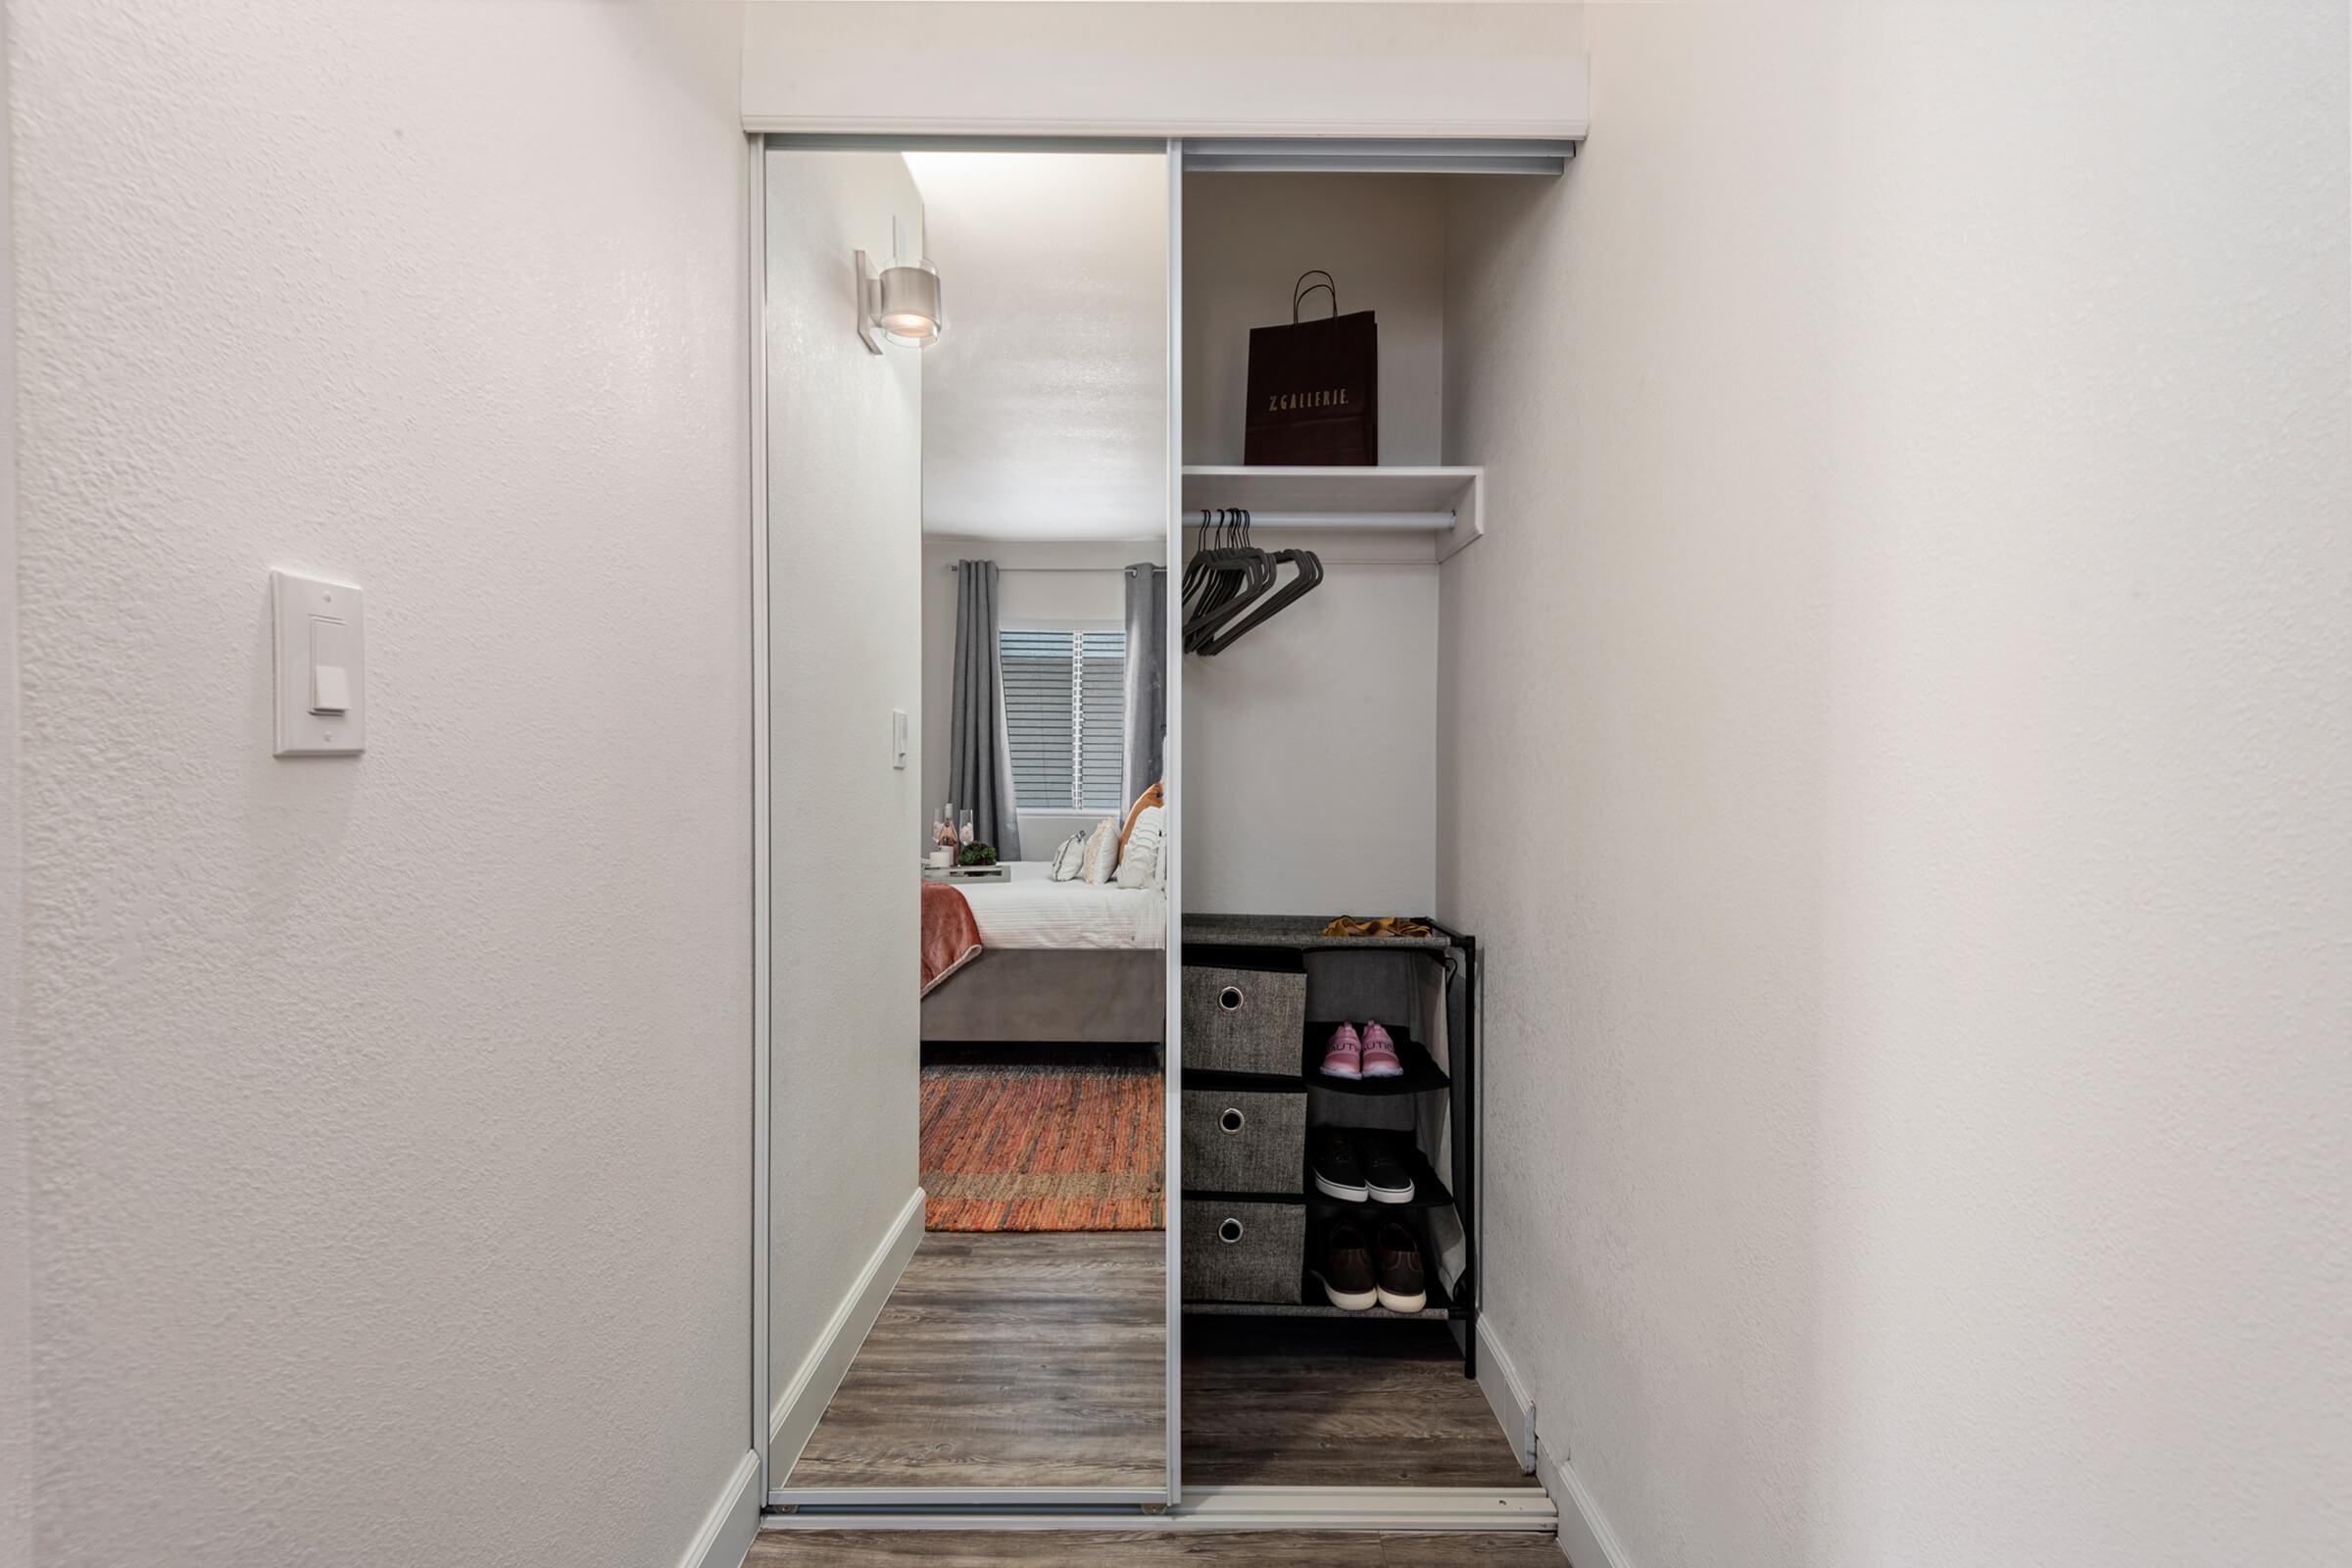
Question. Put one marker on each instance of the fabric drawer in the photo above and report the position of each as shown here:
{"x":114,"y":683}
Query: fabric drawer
{"x":1237,"y":1252}
{"x":1244,"y":1016}
{"x":1244,"y":1140}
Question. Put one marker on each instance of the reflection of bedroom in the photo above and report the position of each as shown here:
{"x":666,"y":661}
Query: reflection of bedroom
{"x":1044,"y":497}
{"x":1044,"y":975}
{"x":1025,"y":1343}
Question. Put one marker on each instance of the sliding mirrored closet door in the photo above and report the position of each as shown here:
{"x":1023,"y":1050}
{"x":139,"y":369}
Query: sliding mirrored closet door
{"x":966,"y":466}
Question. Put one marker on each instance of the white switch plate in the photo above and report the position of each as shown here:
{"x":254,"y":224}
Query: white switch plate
{"x":321,"y":648}
{"x":897,"y":737}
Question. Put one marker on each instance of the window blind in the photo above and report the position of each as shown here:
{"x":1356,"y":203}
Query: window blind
{"x":1064,"y":709}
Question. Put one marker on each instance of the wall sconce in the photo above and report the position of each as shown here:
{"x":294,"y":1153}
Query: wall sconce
{"x":900,"y":303}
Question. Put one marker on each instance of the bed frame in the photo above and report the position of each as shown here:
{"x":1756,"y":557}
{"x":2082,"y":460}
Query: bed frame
{"x":1051,"y":995}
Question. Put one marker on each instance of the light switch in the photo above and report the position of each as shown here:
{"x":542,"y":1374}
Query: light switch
{"x":321,"y":657}
{"x":330,"y":666}
{"x":897,"y":737}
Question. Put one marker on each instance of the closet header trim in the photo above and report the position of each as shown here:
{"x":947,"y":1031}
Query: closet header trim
{"x":1091,"y":69}
{"x":1312,"y":155}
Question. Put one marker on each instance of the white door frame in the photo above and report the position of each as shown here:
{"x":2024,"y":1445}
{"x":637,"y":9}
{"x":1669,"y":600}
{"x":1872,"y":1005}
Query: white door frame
{"x":762,"y":814}
{"x":1171,"y":769}
{"x":1089,"y":1508}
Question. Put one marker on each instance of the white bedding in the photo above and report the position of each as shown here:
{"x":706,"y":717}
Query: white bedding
{"x":1031,"y":909}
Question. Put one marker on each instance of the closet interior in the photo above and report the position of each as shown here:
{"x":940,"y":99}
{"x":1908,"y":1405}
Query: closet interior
{"x":1330,"y":1238}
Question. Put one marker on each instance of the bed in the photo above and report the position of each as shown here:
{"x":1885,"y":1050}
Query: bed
{"x":1060,"y":962}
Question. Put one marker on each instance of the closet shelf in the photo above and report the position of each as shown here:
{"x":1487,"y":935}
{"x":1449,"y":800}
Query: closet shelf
{"x":1421,"y":1074}
{"x":1446,"y":504}
{"x":1428,"y":1193}
{"x":1303,"y":932}
{"x":1312,"y":1303}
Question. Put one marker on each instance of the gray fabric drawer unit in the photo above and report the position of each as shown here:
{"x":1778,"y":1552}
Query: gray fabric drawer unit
{"x":1244,"y":1140}
{"x":1239,"y":1252}
{"x":1245,"y":1011}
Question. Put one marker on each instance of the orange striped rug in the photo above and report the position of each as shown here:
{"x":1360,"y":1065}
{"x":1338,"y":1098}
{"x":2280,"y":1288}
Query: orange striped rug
{"x":1043,"y":1148}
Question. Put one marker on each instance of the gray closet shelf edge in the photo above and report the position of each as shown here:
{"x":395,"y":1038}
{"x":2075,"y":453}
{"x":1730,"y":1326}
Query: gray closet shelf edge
{"x":1300,"y":932}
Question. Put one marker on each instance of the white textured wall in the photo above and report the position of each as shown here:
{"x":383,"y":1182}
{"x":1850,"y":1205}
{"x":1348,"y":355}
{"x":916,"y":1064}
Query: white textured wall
{"x":16,"y":1212}
{"x":845,"y":550}
{"x":392,"y":1112}
{"x":1901,"y":775}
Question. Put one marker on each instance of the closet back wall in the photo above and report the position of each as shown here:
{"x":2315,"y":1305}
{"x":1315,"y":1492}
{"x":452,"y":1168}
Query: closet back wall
{"x":1310,"y":773}
{"x":1246,"y":238}
{"x":1312,"y":786}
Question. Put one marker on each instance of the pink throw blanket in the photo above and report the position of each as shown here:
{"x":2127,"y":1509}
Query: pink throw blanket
{"x":950,"y":936}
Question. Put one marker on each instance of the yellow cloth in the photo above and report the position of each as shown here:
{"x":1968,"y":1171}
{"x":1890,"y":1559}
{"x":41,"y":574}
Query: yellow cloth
{"x":1385,"y":925}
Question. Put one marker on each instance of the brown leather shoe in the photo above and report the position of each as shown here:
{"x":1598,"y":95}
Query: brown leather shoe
{"x":1397,"y":1282}
{"x":1344,"y":1270}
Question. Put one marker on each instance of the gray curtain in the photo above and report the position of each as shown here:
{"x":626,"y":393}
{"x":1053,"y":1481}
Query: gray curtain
{"x":979,"y":756}
{"x":1146,"y":673}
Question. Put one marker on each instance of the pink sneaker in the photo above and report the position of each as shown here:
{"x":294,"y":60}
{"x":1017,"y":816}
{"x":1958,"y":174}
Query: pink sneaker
{"x":1380,"y":1054}
{"x":1343,"y":1057}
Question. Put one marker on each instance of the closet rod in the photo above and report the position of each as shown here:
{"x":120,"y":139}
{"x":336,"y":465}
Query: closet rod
{"x":1420,"y":522}
{"x":1328,"y":560}
{"x":949,"y":566}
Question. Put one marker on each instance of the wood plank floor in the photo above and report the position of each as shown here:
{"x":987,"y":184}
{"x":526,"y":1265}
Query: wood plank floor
{"x":1035,"y":1360}
{"x":1330,"y":1403}
{"x":1008,"y":1360}
{"x":985,"y":1548}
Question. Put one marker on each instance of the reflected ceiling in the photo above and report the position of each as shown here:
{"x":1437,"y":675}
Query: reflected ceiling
{"x":1044,"y":406}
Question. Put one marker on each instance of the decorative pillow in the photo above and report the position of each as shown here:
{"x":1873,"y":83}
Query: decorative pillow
{"x":1069,"y":861}
{"x":1102,"y":849}
{"x":1141,"y":860}
{"x":1150,"y":798}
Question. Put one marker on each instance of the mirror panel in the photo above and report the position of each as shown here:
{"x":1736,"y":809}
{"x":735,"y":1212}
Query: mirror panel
{"x":967,"y":1198}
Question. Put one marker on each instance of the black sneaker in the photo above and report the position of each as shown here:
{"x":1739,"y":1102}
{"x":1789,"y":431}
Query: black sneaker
{"x":1344,"y":1268}
{"x":1334,"y":1163}
{"x":1386,"y":1177}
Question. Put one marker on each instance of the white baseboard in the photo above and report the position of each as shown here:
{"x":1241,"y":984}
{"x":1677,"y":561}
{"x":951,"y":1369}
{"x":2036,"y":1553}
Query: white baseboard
{"x":1498,"y":1379}
{"x":733,"y":1522}
{"x":803,"y":1399}
{"x":1585,"y":1539}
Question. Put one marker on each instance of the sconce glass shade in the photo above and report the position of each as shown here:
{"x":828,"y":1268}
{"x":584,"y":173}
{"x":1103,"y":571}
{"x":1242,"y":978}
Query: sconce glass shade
{"x":909,"y":310}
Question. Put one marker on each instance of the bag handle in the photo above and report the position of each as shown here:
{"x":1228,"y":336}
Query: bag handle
{"x":1300,"y":289}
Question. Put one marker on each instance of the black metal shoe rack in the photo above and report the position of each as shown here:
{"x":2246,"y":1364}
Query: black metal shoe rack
{"x":1251,"y":1209}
